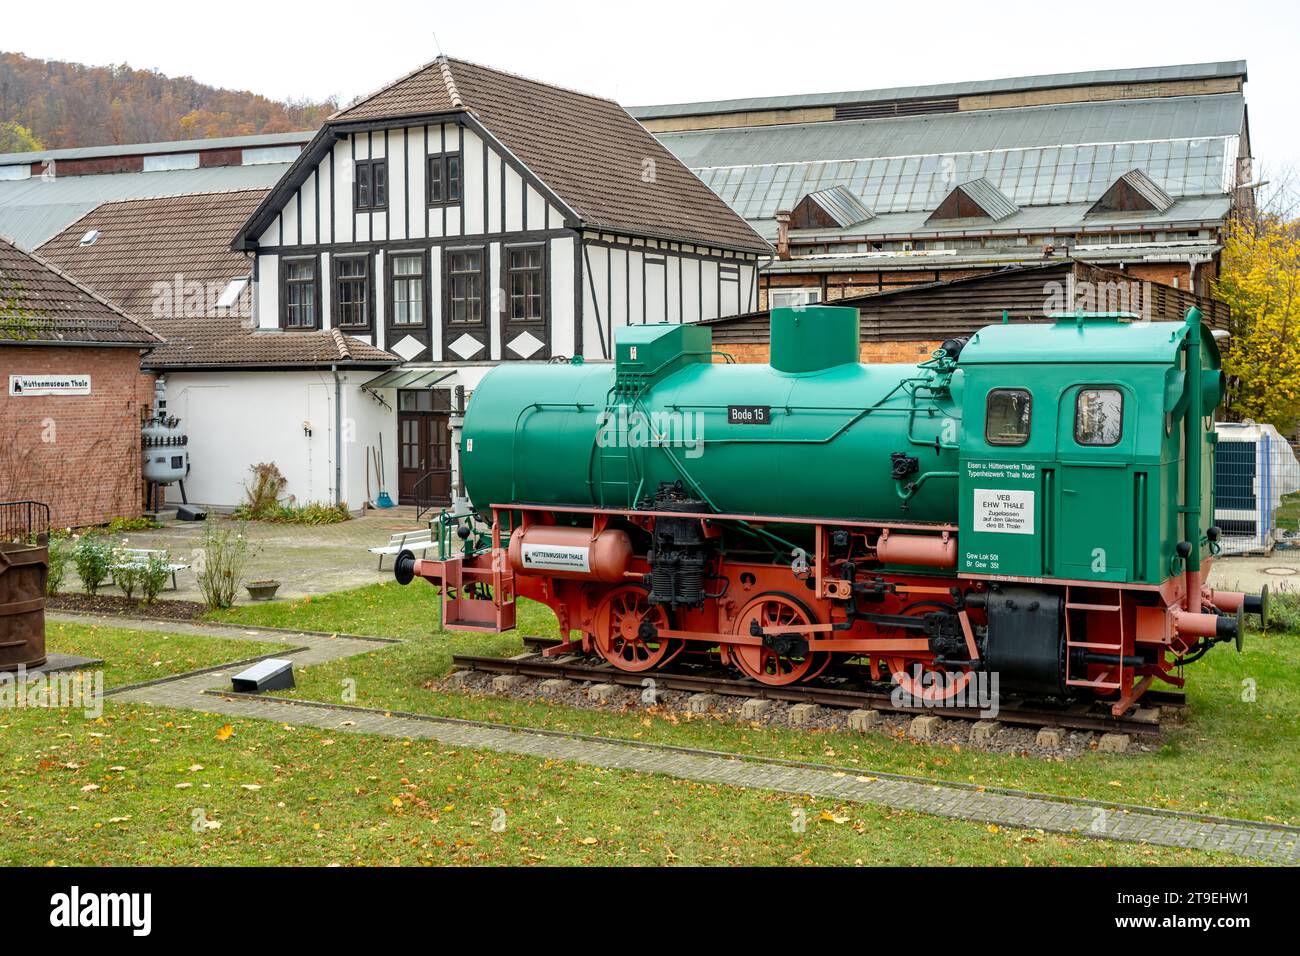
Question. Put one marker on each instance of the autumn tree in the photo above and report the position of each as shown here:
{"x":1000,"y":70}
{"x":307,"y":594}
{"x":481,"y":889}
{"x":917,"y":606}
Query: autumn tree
{"x":16,"y":138}
{"x":1259,"y":279}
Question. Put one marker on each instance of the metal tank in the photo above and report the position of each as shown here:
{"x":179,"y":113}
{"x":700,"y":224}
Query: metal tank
{"x":815,"y":433}
{"x":164,"y":444}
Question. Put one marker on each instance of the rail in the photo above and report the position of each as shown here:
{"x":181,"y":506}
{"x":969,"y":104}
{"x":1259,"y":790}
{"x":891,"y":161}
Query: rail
{"x":1079,"y":716}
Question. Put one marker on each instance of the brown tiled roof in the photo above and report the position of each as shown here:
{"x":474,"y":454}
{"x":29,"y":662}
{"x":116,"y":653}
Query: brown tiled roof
{"x":162,"y":240}
{"x":599,"y":160}
{"x":225,"y":342}
{"x":40,"y":304}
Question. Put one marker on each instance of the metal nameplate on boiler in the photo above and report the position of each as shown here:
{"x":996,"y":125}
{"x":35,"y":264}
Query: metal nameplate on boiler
{"x":556,"y":557}
{"x":749,"y":414}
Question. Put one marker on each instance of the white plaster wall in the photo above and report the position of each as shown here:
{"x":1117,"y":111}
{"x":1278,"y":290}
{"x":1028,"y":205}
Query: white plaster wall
{"x":239,"y":419}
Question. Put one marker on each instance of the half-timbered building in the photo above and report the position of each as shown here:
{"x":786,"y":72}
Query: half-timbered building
{"x":463,"y":216}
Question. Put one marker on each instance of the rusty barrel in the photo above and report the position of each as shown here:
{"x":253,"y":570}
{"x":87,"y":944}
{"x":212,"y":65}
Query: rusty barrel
{"x":23,"y":569}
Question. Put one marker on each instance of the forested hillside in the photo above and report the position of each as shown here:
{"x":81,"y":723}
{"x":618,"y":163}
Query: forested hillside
{"x":48,"y":104}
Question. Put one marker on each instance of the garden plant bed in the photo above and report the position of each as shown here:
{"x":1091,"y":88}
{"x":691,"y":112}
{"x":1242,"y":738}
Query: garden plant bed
{"x":119,"y":606}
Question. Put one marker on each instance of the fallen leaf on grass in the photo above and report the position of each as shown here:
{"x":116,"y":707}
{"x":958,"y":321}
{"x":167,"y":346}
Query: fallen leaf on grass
{"x":225,"y":732}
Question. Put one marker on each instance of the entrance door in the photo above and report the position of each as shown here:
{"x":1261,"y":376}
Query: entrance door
{"x":423,"y":447}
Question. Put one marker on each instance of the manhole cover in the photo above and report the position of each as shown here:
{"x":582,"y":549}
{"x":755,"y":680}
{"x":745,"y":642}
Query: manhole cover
{"x":1282,"y":572}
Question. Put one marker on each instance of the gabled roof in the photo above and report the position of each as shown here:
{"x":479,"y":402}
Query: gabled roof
{"x":837,"y":207}
{"x":225,"y":343}
{"x":42,"y":305}
{"x":1133,"y":192}
{"x":977,"y":199}
{"x":601,"y":165}
{"x":171,"y":240}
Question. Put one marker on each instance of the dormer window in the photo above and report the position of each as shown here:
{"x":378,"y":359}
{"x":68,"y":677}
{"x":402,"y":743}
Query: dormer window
{"x":370,"y":188}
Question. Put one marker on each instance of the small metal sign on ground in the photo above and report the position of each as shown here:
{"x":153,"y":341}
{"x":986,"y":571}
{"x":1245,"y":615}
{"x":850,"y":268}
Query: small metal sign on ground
{"x":49,"y":385}
{"x":270,"y":674}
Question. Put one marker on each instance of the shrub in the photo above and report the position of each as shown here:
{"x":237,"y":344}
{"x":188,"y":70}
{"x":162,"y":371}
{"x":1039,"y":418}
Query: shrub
{"x":1284,"y":611}
{"x":265,"y":493}
{"x":125,"y":575}
{"x":60,"y":550}
{"x":153,"y":577}
{"x":311,"y":514}
{"x":223,"y":561}
{"x":119,"y":525}
{"x":93,"y":559}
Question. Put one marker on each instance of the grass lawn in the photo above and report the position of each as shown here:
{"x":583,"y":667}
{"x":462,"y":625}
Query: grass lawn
{"x":153,"y":786}
{"x":1233,"y":758}
{"x":1288,"y":513}
{"x":133,"y":656}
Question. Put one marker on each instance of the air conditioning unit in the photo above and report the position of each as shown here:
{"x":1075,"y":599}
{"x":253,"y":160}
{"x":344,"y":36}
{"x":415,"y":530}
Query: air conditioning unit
{"x":1255,"y":468}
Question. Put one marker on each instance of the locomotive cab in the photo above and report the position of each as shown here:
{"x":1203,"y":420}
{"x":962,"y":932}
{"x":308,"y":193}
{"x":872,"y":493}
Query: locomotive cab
{"x":1077,"y":472}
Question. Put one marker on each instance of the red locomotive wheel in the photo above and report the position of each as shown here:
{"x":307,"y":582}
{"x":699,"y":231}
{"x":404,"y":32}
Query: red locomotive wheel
{"x":764,"y":664}
{"x":618,"y":631}
{"x":921,"y":681}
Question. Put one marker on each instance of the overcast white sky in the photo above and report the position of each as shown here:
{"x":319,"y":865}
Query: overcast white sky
{"x":673,"y":51}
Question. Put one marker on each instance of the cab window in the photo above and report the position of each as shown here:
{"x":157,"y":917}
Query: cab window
{"x":1099,"y":416}
{"x":1006,"y":416}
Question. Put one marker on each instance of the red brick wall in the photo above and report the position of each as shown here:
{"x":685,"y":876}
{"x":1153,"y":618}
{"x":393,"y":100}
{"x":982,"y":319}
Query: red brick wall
{"x":78,"y":453}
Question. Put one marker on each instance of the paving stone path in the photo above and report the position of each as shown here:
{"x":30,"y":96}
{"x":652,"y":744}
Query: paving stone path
{"x":199,"y":691}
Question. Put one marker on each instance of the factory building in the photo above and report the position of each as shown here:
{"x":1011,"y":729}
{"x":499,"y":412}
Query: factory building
{"x":1135,"y":170}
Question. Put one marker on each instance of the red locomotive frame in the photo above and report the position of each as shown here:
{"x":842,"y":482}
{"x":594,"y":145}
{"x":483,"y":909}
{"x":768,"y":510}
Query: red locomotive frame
{"x":780,"y":624}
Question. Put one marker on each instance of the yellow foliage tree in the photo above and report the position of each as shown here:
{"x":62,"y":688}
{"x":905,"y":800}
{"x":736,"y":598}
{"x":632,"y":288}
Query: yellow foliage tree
{"x":1259,"y":279}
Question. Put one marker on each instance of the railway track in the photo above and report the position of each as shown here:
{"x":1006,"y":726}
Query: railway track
{"x":828,"y":691}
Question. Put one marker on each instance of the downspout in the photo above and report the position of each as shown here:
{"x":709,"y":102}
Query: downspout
{"x":338,"y":435}
{"x":1192,"y":461}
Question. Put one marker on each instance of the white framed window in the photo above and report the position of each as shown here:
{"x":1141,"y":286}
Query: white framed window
{"x":793,"y":298}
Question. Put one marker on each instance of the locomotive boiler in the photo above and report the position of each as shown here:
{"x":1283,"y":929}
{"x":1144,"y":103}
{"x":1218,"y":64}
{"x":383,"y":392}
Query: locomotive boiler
{"x":1033,"y":501}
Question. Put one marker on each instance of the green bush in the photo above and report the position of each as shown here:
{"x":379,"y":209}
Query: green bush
{"x":1284,"y":611}
{"x":263,"y":496}
{"x":125,"y":576}
{"x":312,"y":514}
{"x":119,"y":525}
{"x":93,"y":559}
{"x":60,"y":551}
{"x":222,"y":563}
{"x":153,"y":577}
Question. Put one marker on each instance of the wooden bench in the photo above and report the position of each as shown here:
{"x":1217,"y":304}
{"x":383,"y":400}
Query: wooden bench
{"x":416,"y":541}
{"x":139,"y":558}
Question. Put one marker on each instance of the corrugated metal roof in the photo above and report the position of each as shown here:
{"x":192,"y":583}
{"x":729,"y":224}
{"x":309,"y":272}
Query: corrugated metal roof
{"x":1181,"y":117}
{"x":1068,"y":217}
{"x":842,"y":206}
{"x":34,"y":210}
{"x":1151,"y":74}
{"x":158,"y":149}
